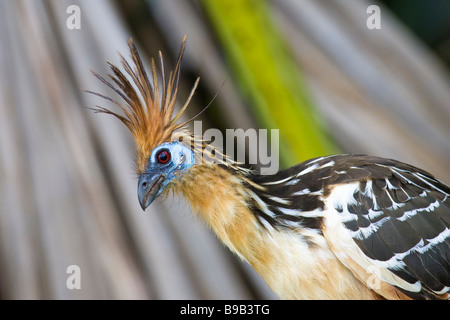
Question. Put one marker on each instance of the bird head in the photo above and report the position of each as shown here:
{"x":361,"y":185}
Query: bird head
{"x":166,"y":163}
{"x":164,"y":146}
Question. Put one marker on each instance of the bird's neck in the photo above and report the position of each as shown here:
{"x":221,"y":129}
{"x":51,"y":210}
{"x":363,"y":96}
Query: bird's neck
{"x":219,"y":198}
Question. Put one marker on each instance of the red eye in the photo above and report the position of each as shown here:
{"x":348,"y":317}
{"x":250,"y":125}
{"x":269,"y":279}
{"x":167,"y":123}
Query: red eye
{"x":163,"y":157}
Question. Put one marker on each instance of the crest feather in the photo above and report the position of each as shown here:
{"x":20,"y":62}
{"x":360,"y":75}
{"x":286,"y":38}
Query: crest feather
{"x":147,"y":108}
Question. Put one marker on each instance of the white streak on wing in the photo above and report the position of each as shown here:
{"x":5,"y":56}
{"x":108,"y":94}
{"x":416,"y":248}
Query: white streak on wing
{"x":309,"y":169}
{"x":389,"y":184}
{"x":294,"y":224}
{"x":412,"y":213}
{"x":396,"y":170}
{"x":266,"y":224}
{"x":442,"y":291}
{"x":372,"y":215}
{"x":419,"y":176}
{"x":406,"y":193}
{"x":289,"y":212}
{"x":369,"y":193}
{"x":297,"y":213}
{"x":292,"y":182}
{"x":316,"y":160}
{"x":277,"y":182}
{"x":396,"y":262}
{"x":328,"y":164}
{"x":425,"y":177}
{"x":436,"y":240}
{"x":307,"y":191}
{"x":395,"y":205}
{"x":364,"y":233}
{"x":279,"y":200}
{"x":301,"y":192}
{"x":262,"y":205}
{"x":346,"y":216}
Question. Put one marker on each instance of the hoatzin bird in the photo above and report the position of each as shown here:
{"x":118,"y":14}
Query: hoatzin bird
{"x":334,"y":227}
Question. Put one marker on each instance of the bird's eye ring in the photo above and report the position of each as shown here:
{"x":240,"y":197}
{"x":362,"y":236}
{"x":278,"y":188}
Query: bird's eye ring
{"x":163,"y":157}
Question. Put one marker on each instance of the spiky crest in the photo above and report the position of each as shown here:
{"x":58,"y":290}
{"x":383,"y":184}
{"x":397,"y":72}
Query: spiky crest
{"x":148,"y":108}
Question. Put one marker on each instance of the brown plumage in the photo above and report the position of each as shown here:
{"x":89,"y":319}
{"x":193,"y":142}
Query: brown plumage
{"x":337,"y":227}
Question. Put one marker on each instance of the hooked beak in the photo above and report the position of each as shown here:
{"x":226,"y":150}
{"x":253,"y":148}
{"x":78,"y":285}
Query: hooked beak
{"x":149,"y":187}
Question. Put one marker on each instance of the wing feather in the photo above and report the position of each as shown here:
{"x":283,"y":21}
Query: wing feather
{"x":399,"y":225}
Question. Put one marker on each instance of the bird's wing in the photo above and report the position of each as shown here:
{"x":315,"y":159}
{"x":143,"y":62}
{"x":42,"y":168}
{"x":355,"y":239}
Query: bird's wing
{"x":389,"y":223}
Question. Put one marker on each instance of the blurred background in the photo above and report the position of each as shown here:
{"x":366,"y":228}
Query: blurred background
{"x":312,"y":69}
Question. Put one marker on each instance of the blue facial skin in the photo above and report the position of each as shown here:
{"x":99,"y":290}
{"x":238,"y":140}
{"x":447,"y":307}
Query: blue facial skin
{"x":158,"y":175}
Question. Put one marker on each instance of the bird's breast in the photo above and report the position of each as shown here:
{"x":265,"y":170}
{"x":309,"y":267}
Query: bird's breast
{"x":299,"y":269}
